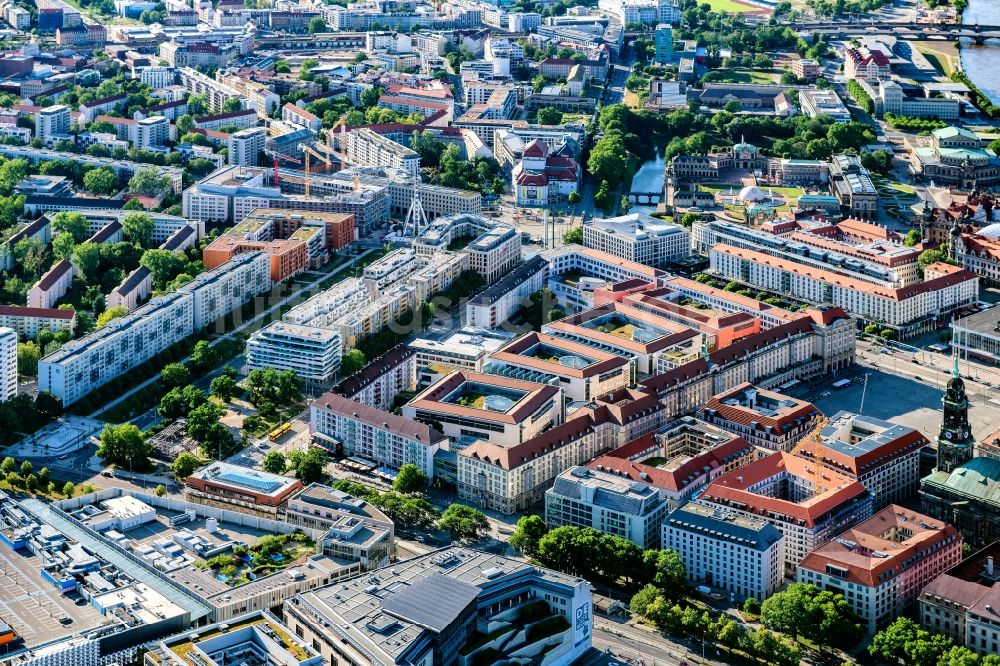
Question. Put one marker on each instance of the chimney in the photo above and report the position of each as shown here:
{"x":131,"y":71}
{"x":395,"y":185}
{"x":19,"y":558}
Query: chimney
{"x":989,"y":565}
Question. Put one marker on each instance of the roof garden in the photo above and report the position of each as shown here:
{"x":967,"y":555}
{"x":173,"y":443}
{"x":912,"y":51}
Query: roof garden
{"x":482,"y":396}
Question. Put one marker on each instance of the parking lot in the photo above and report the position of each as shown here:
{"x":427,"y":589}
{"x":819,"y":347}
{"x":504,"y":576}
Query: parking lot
{"x":33,"y":606}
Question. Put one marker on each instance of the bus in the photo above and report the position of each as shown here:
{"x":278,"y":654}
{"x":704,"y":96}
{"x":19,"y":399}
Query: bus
{"x":841,"y":384}
{"x":279,"y":432}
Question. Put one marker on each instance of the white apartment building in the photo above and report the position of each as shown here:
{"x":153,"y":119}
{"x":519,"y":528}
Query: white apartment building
{"x":582,"y":497}
{"x":368,"y":149}
{"x":8,"y":363}
{"x":246,"y":146}
{"x":742,"y":556}
{"x":82,"y":365}
{"x":494,"y":305}
{"x":312,"y":352}
{"x":51,"y":121}
{"x":216,"y":93}
{"x":152,"y":132}
{"x":359,"y":430}
{"x":157,"y":78}
{"x":882,"y":564}
{"x":908,"y":310}
{"x":27,"y":322}
{"x":639,"y":238}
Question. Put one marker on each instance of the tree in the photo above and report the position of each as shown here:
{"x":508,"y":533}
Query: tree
{"x":175,"y":375}
{"x":352,"y":362}
{"x":624,"y":205}
{"x":282,"y":67}
{"x":62,"y":245}
{"x":317,"y":25}
{"x":555,"y":314}
{"x":201,"y":419}
{"x":224,"y":388}
{"x":137,"y":228}
{"x":68,"y":489}
{"x":665,"y":569}
{"x":44,"y":476}
{"x":8,"y":465}
{"x":87,"y":259}
{"x":527,"y":534}
{"x":274,"y":462}
{"x":26,"y":468}
{"x":928,"y":257}
{"x":463,"y":522}
{"x":184,"y":465}
{"x":312,"y":466}
{"x":148,"y":182}
{"x":573,"y":236}
{"x":161,"y":490}
{"x":821,"y":616}
{"x":732,"y":106}
{"x":549,"y":116}
{"x":100,"y":181}
{"x":270,"y":385}
{"x":27,"y":358}
{"x":108,"y":315}
{"x":751,"y":606}
{"x":203,"y":356}
{"x":573,"y":198}
{"x":163,"y":264}
{"x":74,"y":223}
{"x":124,"y":445}
{"x":913,"y":237}
{"x":409,"y":479}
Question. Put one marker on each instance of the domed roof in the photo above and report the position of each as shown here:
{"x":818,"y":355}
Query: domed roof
{"x":752,"y":193}
{"x":990,"y":230}
{"x":744,"y":147}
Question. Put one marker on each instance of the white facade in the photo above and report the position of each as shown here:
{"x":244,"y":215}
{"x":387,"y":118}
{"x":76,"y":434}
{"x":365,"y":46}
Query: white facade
{"x":312,"y":352}
{"x":8,"y":363}
{"x":741,"y":556}
{"x":52,"y":120}
{"x":152,"y":132}
{"x":369,"y":149}
{"x":157,"y":77}
{"x":639,"y":238}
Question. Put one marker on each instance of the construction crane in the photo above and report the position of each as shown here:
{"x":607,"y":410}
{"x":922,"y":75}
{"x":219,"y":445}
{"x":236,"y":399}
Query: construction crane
{"x":342,"y":154}
{"x":277,"y":157}
{"x":812,"y":446}
{"x":309,"y":152}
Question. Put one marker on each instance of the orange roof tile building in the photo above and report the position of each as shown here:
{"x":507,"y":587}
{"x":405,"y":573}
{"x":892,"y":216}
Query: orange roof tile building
{"x":882,"y":564}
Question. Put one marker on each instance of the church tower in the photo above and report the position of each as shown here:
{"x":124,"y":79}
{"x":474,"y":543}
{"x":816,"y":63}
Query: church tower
{"x":955,"y":442}
{"x":955,"y":242}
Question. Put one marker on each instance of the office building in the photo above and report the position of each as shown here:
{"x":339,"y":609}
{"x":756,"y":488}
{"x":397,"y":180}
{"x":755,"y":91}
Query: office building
{"x":431,"y":608}
{"x":809,"y":506}
{"x":351,"y":428}
{"x":493,"y":306}
{"x":823,"y":102}
{"x":741,"y":556}
{"x":586,"y":498}
{"x":663,"y":41}
{"x":851,"y":183}
{"x":977,"y":336}
{"x":638,"y":238}
{"x":312,"y":352}
{"x":575,"y":273}
{"x":493,"y":247}
{"x":955,"y":603}
{"x":881,"y":564}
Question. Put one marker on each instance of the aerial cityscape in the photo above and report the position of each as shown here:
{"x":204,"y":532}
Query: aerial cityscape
{"x":499,"y":332}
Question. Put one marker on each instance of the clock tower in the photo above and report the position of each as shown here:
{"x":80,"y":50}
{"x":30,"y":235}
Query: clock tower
{"x":955,"y":441}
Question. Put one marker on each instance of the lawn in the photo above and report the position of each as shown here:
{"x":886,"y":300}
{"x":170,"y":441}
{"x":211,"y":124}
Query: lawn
{"x":940,"y":54}
{"x":745,"y":75}
{"x":729,"y":6}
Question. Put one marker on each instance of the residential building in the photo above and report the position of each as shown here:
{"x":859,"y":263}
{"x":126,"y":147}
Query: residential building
{"x":807,"y":506}
{"x":124,"y":169}
{"x":246,"y":146}
{"x":27,"y":322}
{"x":638,"y":238}
{"x":368,"y":149}
{"x":806,"y":68}
{"x":439,"y":604}
{"x":348,"y":427}
{"x":585,"y":498}
{"x":494,"y":305}
{"x":766,"y":419}
{"x":980,"y":254}
{"x":742,"y":556}
{"x":8,"y":363}
{"x":953,"y":604}
{"x":311,"y":351}
{"x":52,"y":286}
{"x":287,"y":258}
{"x":881,"y":564}
{"x":382,"y":379}
{"x":152,"y":132}
{"x":52,"y":121}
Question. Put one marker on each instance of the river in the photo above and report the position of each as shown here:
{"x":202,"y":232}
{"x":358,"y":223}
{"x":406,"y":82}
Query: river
{"x":649,"y":178}
{"x":981,"y":62}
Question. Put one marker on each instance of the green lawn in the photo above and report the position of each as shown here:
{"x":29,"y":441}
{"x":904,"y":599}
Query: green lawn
{"x":729,"y":6}
{"x":942,"y":55}
{"x":746,"y":75}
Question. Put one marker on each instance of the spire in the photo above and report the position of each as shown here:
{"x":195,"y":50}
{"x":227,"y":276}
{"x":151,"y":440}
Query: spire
{"x":954,"y":364}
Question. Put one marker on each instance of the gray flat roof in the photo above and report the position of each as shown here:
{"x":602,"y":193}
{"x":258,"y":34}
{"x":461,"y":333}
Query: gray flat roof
{"x":451,"y":597}
{"x":985,"y":322}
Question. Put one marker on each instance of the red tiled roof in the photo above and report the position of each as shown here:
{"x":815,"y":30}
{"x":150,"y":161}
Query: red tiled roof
{"x":511,"y":457}
{"x":46,"y":313}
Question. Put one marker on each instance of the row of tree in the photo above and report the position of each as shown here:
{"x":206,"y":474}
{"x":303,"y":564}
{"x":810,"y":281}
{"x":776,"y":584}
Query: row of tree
{"x":905,"y":642}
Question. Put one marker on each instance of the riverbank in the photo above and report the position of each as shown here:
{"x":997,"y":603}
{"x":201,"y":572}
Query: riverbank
{"x":980,"y":62}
